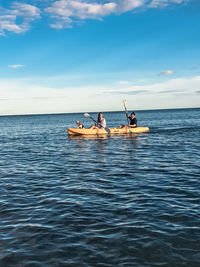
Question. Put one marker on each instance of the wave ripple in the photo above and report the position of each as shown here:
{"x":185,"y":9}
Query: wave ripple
{"x":115,"y":201}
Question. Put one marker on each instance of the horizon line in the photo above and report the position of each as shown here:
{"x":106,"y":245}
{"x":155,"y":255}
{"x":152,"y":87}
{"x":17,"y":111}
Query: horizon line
{"x":64,"y":113}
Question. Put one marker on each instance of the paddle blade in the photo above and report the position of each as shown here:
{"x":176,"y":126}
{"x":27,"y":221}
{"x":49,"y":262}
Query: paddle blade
{"x":86,"y":114}
{"x":124,"y":102}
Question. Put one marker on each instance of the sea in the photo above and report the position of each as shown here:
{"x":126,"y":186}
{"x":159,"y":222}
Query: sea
{"x":122,"y":200}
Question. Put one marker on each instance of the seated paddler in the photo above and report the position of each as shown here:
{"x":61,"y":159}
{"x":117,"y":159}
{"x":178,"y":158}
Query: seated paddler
{"x":132,"y":119}
{"x":101,"y":122}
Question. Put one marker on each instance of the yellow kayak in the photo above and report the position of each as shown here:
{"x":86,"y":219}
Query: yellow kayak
{"x":76,"y":131}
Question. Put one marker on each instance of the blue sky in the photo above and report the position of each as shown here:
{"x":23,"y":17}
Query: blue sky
{"x":82,"y":55}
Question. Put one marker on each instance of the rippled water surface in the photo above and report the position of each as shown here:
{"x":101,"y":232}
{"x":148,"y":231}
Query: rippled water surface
{"x":113,"y":201}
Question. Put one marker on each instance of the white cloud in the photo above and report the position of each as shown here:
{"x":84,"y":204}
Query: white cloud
{"x":128,"y":5}
{"x":18,"y":17}
{"x":25,"y":10}
{"x":22,"y":96}
{"x":167,"y":72}
{"x":123,"y":82}
{"x":64,"y":12}
{"x":181,"y":85}
{"x":16,"y":66}
{"x":164,"y":3}
{"x":9,"y":17}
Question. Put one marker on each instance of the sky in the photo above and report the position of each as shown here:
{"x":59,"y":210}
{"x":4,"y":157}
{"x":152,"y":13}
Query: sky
{"x":63,"y":56}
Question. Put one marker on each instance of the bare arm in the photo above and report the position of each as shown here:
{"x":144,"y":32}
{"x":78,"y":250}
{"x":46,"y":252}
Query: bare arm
{"x":132,"y":126}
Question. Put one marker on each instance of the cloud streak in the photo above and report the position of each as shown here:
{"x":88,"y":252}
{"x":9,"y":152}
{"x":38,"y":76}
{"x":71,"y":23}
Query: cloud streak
{"x":165,"y":3}
{"x":63,"y":13}
{"x":167,"y":72}
{"x":172,"y":86}
{"x":22,"y":96}
{"x":16,"y":66}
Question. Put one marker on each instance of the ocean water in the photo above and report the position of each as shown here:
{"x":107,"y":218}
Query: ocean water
{"x":129,"y":200}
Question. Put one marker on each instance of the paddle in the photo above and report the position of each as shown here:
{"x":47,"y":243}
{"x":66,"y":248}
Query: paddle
{"x":124,"y":103}
{"x":96,"y":123}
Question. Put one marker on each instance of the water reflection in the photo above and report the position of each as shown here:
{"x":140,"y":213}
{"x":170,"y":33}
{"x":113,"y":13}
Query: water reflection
{"x":105,"y":136}
{"x":101,"y":147}
{"x":88,"y":137}
{"x":91,"y":144}
{"x":107,"y":147}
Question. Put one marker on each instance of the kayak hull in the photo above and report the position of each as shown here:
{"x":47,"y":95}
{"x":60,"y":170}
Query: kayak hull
{"x":76,"y":131}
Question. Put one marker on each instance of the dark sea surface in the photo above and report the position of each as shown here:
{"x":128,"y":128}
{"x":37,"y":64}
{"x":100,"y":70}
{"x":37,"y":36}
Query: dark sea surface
{"x":124,"y":200}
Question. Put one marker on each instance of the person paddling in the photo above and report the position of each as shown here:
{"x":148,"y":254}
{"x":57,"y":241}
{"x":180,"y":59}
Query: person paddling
{"x":101,"y":122}
{"x":133,"y":121}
